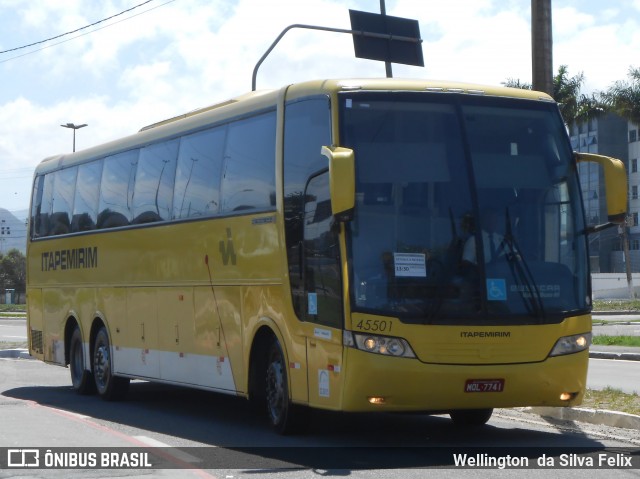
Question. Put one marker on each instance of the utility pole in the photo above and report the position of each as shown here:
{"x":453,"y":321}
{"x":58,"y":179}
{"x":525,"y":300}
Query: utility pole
{"x":627,"y":257}
{"x":542,"y":46}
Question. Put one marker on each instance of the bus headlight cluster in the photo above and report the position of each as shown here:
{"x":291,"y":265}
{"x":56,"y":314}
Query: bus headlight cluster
{"x":374,"y":343}
{"x":571,"y":344}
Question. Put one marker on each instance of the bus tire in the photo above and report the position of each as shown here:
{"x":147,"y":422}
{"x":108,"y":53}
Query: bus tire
{"x":81,"y":377}
{"x":109,"y":387}
{"x":471,"y":417}
{"x":284,"y":416}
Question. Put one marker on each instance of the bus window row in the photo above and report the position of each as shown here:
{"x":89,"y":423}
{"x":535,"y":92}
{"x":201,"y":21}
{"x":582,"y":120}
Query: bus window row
{"x":222,"y":170}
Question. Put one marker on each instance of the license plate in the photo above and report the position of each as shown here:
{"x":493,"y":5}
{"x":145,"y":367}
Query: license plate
{"x":484,"y":386}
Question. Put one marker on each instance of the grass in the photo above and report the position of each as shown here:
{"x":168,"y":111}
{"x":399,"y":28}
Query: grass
{"x":605,"y":340}
{"x":7,"y":308}
{"x":612,"y":400}
{"x":616,"y":305}
{"x":13,"y":345}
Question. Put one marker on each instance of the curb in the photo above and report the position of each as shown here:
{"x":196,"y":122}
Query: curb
{"x":591,"y":416}
{"x":610,"y":355}
{"x":613,"y":313}
{"x":15,"y":354}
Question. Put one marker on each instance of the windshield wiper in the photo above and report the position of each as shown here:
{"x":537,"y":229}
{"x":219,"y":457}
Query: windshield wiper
{"x":520,"y":271}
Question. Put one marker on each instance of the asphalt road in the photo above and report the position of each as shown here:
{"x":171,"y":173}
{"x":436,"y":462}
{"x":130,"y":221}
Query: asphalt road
{"x":198,"y":430}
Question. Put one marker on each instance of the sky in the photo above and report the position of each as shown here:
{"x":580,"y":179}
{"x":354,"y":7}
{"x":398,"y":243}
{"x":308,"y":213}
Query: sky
{"x":169,"y":57}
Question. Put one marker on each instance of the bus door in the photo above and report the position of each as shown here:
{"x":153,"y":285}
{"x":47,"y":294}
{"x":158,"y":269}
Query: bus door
{"x":323,"y":312}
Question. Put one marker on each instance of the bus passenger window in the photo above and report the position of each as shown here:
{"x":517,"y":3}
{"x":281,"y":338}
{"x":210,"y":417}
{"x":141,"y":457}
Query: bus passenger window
{"x":85,"y":207}
{"x":62,"y":201}
{"x":153,"y":190}
{"x":39,"y":214}
{"x":116,"y":191}
{"x":248,"y":182}
{"x":197,"y":186}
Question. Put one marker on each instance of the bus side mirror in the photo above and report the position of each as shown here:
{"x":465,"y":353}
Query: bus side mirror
{"x":615,"y":180}
{"x":342,"y":181}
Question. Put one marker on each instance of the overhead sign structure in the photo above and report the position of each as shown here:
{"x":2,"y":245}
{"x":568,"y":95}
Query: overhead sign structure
{"x":375,"y":37}
{"x":394,"y":47}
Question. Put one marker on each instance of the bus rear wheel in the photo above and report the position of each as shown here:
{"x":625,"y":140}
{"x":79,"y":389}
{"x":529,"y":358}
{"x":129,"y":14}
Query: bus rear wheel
{"x":110,"y":387}
{"x":81,"y":377}
{"x":471,"y":417}
{"x":284,"y":416}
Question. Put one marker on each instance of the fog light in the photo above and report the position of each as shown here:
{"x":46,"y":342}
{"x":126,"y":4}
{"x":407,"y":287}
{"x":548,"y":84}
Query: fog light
{"x":567,"y":396}
{"x":376,"y":400}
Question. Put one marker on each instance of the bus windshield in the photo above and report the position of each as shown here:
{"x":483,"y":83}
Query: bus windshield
{"x":467,"y":209}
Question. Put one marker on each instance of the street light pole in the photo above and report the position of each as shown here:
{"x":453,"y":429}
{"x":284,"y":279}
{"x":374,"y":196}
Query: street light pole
{"x":74,"y":128}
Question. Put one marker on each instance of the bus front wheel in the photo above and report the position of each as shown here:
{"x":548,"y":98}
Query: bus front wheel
{"x":110,"y":387}
{"x":285,"y":417}
{"x":81,"y":377}
{"x":470,"y":417}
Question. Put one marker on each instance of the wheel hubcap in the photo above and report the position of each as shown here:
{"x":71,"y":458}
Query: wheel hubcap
{"x":275,"y":391}
{"x":101,"y":364}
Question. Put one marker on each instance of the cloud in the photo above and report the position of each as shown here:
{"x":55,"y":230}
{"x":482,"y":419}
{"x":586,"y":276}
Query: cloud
{"x":168,"y":58}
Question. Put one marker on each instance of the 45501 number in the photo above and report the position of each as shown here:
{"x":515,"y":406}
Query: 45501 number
{"x":375,"y":325}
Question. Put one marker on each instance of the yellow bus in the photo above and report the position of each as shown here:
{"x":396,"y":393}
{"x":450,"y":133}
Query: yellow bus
{"x":349,"y":245}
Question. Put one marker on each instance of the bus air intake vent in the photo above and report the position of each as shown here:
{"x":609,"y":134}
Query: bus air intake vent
{"x":36,"y":341}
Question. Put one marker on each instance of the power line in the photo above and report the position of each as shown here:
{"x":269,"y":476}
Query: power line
{"x":76,"y":30}
{"x":86,"y":33}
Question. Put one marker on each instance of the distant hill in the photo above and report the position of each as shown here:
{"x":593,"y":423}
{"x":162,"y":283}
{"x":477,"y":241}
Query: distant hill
{"x":13,"y":230}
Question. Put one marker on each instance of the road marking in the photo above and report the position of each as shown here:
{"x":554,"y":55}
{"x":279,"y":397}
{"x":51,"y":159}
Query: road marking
{"x":174,"y":452}
{"x":89,"y":421}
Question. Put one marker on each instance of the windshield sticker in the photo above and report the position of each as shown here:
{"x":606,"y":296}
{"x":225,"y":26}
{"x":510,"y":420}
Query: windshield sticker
{"x":496,"y":289}
{"x":349,"y":103}
{"x":312,"y":300}
{"x":410,"y":264}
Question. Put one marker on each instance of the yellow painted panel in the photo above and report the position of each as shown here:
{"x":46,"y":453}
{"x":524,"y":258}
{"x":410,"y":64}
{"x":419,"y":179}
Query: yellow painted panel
{"x":457,"y":344}
{"x":409,"y":385}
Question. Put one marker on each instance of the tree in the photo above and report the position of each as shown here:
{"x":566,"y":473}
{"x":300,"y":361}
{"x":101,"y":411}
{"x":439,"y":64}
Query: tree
{"x":13,"y":271}
{"x":624,"y":97}
{"x":575,"y":106}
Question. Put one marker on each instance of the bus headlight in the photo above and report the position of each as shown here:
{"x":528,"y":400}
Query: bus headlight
{"x":571,"y":344}
{"x":374,"y":343}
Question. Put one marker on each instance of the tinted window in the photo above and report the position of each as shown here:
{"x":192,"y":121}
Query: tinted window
{"x":62,"y":203}
{"x":38,"y":217}
{"x":116,"y":191}
{"x":153,"y":191}
{"x":321,"y":256}
{"x":197,"y":187}
{"x":45,"y":205}
{"x":307,"y":128}
{"x":85,"y":207}
{"x":249,"y":171}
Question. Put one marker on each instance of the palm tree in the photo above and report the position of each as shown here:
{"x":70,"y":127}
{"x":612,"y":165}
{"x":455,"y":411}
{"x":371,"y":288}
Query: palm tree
{"x":624,"y":97}
{"x":575,"y":106}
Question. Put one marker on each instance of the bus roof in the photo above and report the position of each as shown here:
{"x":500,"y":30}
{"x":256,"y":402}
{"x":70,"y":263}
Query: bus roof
{"x":257,"y":100}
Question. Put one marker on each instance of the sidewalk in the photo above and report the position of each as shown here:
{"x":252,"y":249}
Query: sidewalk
{"x":627,"y":353}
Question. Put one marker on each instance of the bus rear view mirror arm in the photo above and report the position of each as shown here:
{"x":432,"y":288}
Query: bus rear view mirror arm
{"x":597,"y":228}
{"x":342,"y":181}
